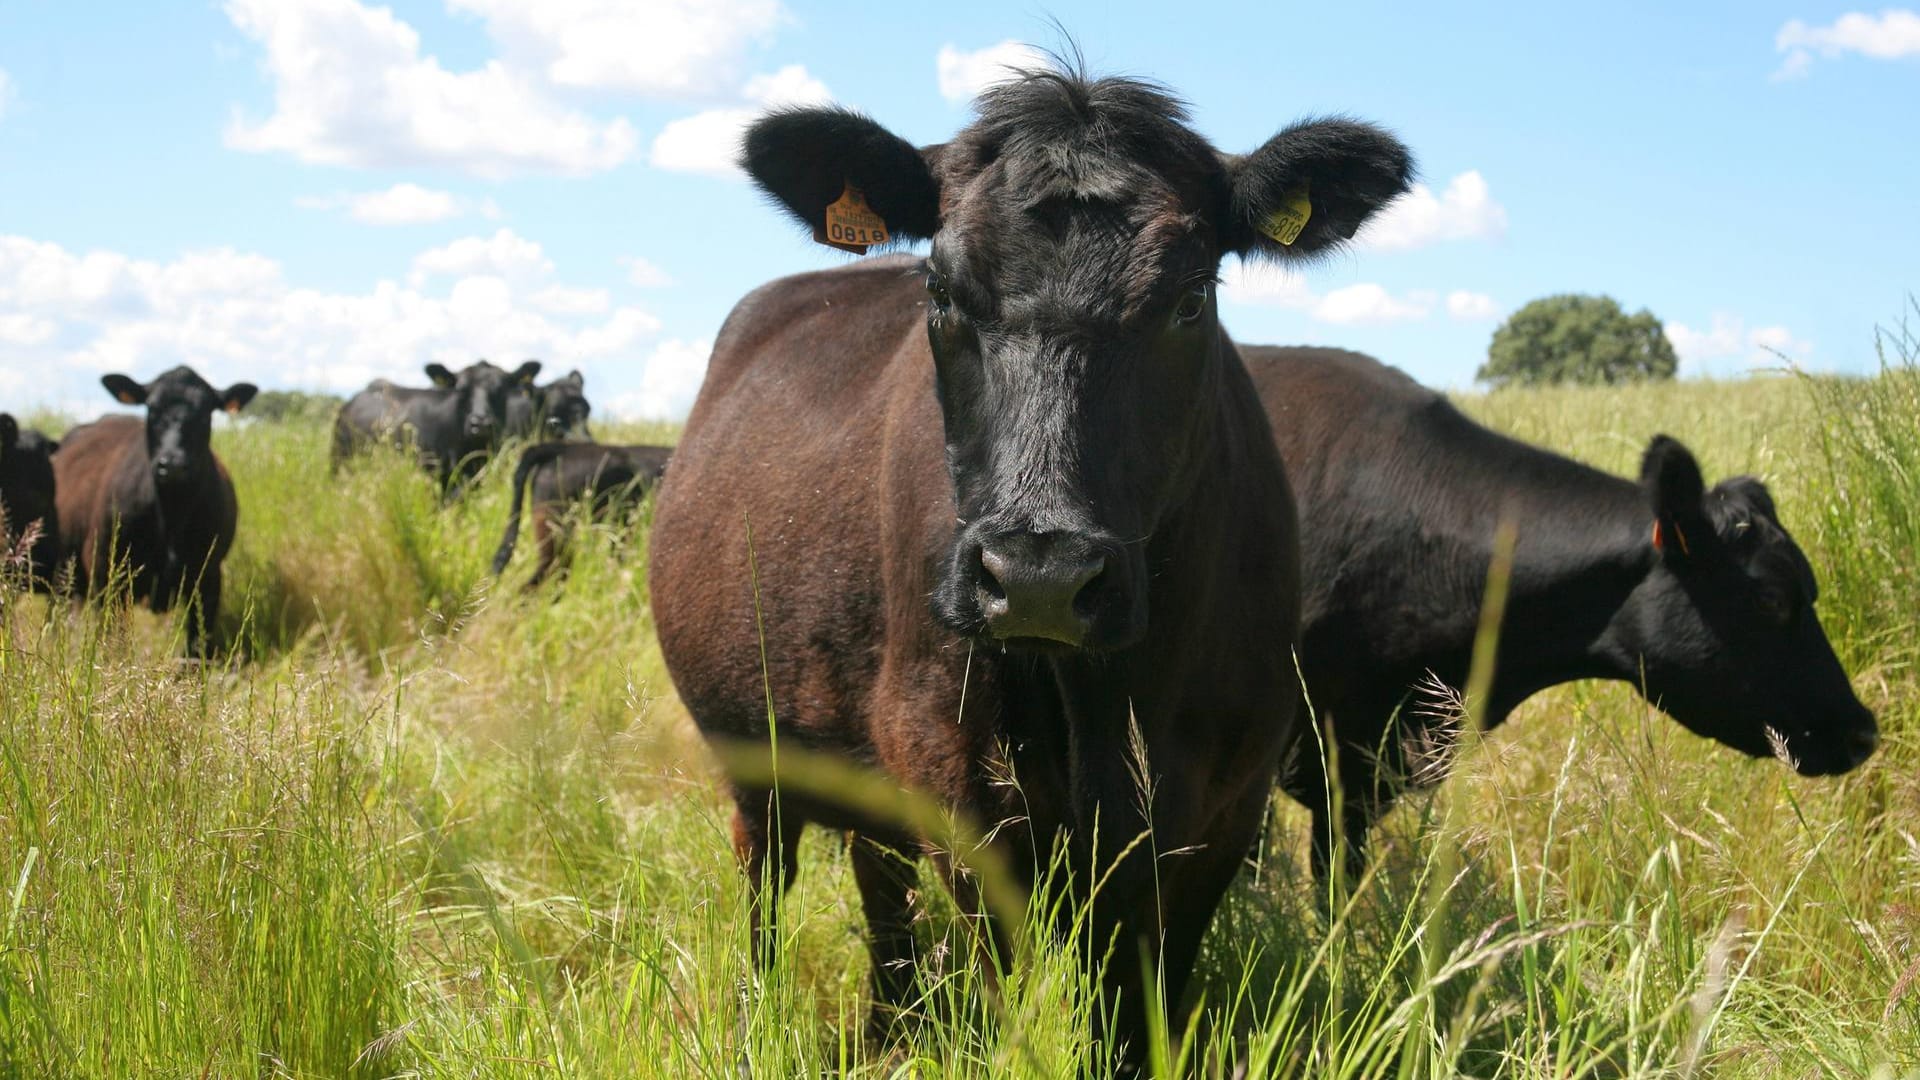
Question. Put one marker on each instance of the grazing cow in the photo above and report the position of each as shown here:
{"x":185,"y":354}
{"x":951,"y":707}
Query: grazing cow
{"x":1698,"y":596}
{"x":453,"y":426}
{"x":553,"y":411}
{"x":151,"y":497}
{"x":563,"y":473}
{"x":27,"y":503}
{"x":1043,"y":428}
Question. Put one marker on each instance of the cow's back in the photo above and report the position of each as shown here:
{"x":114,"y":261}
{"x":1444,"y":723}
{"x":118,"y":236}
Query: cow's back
{"x":96,"y":464}
{"x":810,"y":378}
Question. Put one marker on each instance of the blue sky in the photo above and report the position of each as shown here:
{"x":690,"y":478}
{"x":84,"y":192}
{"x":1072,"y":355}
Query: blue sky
{"x":311,"y":193}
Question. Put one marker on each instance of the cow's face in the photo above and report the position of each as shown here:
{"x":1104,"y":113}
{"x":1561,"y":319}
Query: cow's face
{"x":26,"y":481}
{"x":563,"y":406}
{"x":480,"y":393}
{"x":1077,"y":230}
{"x":180,"y":407}
{"x":1725,"y":625}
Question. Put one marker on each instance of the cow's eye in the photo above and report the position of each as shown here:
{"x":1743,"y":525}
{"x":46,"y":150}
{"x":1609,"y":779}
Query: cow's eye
{"x":1775,"y":607}
{"x":1192,"y":306}
{"x":937,"y":292}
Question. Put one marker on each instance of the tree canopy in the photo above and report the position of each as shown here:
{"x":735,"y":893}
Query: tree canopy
{"x":1573,"y":338}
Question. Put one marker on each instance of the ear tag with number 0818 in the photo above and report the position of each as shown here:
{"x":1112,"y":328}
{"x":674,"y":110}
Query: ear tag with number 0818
{"x":851,"y":225}
{"x":1285,"y":223}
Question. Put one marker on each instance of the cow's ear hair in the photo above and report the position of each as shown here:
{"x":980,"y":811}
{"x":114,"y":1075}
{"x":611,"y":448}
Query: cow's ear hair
{"x":9,"y":431}
{"x":440,"y":376}
{"x":1677,"y":495}
{"x":1311,"y":187}
{"x":124,"y":390}
{"x":807,"y":158}
{"x":524,"y":374}
{"x":237,"y":396}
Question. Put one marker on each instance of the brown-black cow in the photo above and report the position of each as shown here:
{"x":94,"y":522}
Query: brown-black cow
{"x":561,"y":474}
{"x":149,"y":496}
{"x":453,"y":426}
{"x":1041,"y":428}
{"x":1696,"y":595}
{"x":27,"y":505}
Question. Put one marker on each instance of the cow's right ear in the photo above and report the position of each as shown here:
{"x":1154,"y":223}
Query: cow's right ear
{"x":441,"y":377}
{"x":525,"y":373}
{"x":812,"y":158}
{"x":124,"y":390}
{"x":1310,"y":188}
{"x":1682,"y":531}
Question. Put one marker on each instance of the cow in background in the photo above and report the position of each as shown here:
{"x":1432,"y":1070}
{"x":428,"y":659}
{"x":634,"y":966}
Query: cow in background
{"x":150,"y":499}
{"x":453,"y":426}
{"x":553,"y":411}
{"x":27,"y":504}
{"x":564,"y":473}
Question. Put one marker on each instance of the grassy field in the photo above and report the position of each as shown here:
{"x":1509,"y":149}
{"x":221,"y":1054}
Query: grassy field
{"x":423,"y":825}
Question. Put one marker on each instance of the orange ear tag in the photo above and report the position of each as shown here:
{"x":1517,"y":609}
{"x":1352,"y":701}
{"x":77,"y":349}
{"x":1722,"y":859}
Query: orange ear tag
{"x":851,"y":225}
{"x":1287,"y":220}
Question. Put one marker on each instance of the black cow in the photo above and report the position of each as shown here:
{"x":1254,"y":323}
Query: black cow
{"x":1043,"y":428}
{"x":150,"y":497}
{"x":27,"y":504}
{"x":564,"y":473}
{"x":454,"y":425}
{"x":553,"y":411}
{"x":1698,"y":596}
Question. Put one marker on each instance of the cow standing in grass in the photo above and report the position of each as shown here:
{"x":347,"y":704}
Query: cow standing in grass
{"x":553,"y":411}
{"x":148,"y":498}
{"x":29,"y":520}
{"x":562,"y":474}
{"x":1697,"y":596}
{"x":1043,"y":429}
{"x":453,"y":426}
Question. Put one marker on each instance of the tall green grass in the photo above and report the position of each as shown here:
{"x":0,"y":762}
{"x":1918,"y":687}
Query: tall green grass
{"x":423,"y":824}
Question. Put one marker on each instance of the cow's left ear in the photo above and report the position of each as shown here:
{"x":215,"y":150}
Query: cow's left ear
{"x":1677,"y":494}
{"x":819,"y":158}
{"x":237,"y":396}
{"x":525,"y":373}
{"x":124,"y":390}
{"x":1311,"y":187}
{"x":575,"y":379}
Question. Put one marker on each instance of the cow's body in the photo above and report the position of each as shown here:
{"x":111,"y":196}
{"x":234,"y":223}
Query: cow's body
{"x":557,"y":475}
{"x":149,"y":498}
{"x":27,"y":504}
{"x":1399,"y":498}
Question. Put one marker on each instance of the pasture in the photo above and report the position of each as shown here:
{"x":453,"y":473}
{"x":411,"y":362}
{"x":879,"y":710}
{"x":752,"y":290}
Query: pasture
{"x":422,"y":825}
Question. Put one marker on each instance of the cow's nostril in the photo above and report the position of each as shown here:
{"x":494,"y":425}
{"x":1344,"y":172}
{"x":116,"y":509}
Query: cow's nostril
{"x":1863,"y":743}
{"x":995,"y":565}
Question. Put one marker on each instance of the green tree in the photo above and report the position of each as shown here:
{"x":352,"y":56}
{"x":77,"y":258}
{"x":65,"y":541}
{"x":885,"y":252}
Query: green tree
{"x":1577,"y":339}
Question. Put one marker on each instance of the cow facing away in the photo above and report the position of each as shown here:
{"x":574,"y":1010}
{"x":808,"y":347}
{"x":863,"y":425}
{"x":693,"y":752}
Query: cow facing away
{"x":149,"y":496}
{"x":1043,"y":428}
{"x":553,"y":411}
{"x":1698,"y":596}
{"x":453,"y":426}
{"x":562,"y":474}
{"x":27,"y":504}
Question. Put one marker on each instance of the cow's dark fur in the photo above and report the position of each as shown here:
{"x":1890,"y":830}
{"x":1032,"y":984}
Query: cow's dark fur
{"x":150,"y":496}
{"x":1042,"y":427}
{"x":453,"y":426}
{"x":27,"y":502}
{"x":562,"y":474}
{"x":553,"y":411}
{"x":1399,"y":498}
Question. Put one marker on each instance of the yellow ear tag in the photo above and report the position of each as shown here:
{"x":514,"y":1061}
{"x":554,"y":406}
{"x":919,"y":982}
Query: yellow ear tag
{"x":851,"y":225}
{"x":1286,"y":222}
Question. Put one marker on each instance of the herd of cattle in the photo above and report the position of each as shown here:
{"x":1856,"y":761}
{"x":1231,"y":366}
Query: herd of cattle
{"x":1022,"y":508}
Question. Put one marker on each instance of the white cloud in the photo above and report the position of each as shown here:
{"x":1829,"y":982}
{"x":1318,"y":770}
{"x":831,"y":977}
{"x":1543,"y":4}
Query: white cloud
{"x":232,"y":315}
{"x":351,"y":87}
{"x":1891,"y":35}
{"x":668,"y":383}
{"x":709,"y":142}
{"x":643,"y":274}
{"x":1270,"y":286}
{"x":1465,"y":305}
{"x":1729,"y":347}
{"x":660,"y":48}
{"x":401,"y":204}
{"x":505,"y":254}
{"x":1466,"y":210}
{"x":964,"y":74}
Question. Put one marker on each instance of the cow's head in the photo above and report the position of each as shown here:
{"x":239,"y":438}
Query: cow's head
{"x":1077,"y":229}
{"x":1724,"y":627}
{"x":180,"y":407}
{"x":481,"y":392}
{"x":26,"y":481}
{"x":562,"y":406}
